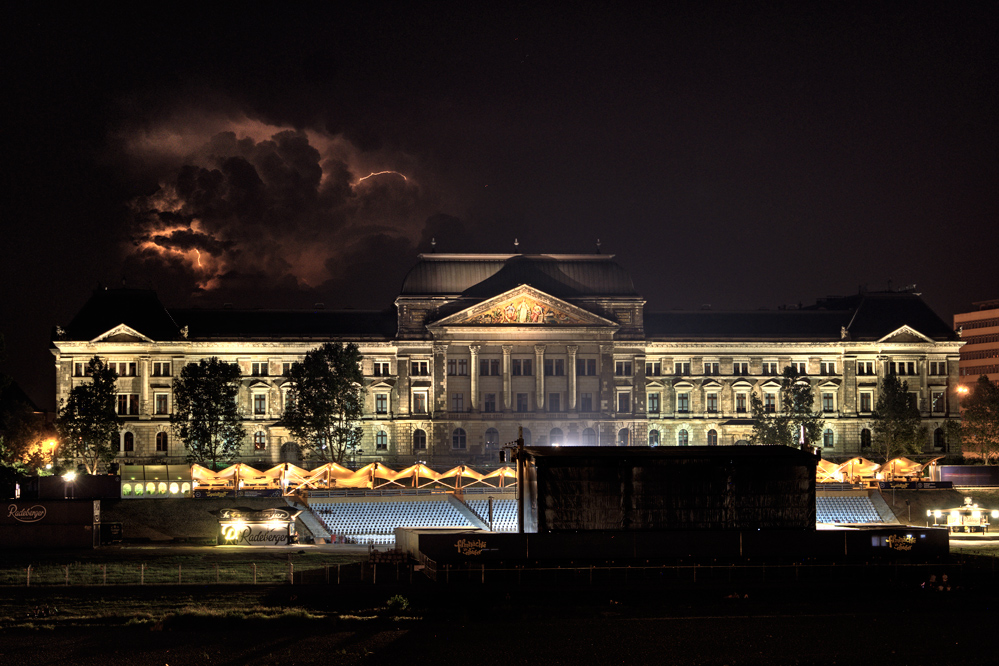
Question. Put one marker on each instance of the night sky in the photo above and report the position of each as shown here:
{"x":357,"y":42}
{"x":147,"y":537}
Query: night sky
{"x":738,"y":156}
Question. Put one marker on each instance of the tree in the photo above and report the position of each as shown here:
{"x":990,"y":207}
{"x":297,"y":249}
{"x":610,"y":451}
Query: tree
{"x":782,"y":426}
{"x":980,"y":427}
{"x":206,"y":414}
{"x":896,"y":428}
{"x":88,"y":424}
{"x":325,"y":401}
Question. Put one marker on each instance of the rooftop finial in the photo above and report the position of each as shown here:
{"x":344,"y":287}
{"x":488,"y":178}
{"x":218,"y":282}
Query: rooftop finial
{"x":598,"y":246}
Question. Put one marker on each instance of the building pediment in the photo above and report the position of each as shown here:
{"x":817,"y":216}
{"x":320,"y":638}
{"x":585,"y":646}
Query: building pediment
{"x":771,"y":384}
{"x":524,"y":306}
{"x":905,"y":334}
{"x":742,"y":384}
{"x":382,"y":384}
{"x":830,"y":384}
{"x":122,"y":333}
{"x":683,"y":385}
{"x":712,"y":384}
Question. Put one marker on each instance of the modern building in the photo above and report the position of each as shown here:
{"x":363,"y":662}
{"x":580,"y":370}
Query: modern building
{"x":979,"y":330}
{"x":479,"y":345}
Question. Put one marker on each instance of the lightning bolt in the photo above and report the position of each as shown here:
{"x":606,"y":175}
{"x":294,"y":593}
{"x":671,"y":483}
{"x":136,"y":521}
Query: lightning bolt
{"x":199,"y":257}
{"x":379,"y":173}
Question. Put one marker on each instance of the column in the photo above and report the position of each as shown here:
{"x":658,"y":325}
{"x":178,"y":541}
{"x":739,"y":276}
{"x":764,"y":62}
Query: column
{"x":473,"y":403}
{"x":572,"y":349}
{"x":507,"y":405}
{"x":539,"y":375}
{"x":144,"y":406}
{"x":438,"y":397}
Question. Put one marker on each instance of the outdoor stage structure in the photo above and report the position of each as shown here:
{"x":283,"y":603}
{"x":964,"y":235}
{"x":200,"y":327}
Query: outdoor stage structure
{"x":250,"y":527}
{"x":656,"y":505}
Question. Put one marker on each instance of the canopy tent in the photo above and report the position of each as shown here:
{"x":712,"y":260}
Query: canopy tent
{"x":906,"y":468}
{"x":858,"y":468}
{"x":827,"y":472}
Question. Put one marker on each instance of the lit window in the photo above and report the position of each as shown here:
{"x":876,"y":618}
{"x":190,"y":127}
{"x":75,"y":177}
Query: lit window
{"x":653,"y":438}
{"x":381,"y":441}
{"x":259,"y":440}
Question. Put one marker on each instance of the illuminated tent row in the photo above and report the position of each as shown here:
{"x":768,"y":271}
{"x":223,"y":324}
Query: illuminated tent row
{"x":332,"y":475}
{"x":862,"y":468}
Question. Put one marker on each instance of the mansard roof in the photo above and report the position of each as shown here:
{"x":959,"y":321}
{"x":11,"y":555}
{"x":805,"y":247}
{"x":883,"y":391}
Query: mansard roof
{"x":138,"y":309}
{"x":485,"y":275}
{"x":865,"y":317}
{"x":230,"y":324}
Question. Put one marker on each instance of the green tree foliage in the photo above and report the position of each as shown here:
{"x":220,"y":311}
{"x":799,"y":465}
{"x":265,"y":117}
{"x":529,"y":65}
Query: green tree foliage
{"x":794,"y":411}
{"x":206,"y":414}
{"x":325,"y":401}
{"x":896,"y":427}
{"x":88,"y":424}
{"x":980,"y":427}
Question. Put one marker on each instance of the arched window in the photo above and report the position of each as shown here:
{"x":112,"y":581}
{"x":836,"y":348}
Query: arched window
{"x":742,"y":442}
{"x":589,"y":437}
{"x":419,"y":440}
{"x":458,"y":438}
{"x":939,"y":440}
{"x":682,"y":438}
{"x":865,"y":438}
{"x":259,"y":440}
{"x":381,"y":441}
{"x":653,"y":438}
{"x":712,"y":437}
{"x":622,"y":437}
{"x":527,"y":437}
{"x":827,"y":438}
{"x":128,"y":442}
{"x":492,"y":438}
{"x":555,"y":437}
{"x":162,"y":442}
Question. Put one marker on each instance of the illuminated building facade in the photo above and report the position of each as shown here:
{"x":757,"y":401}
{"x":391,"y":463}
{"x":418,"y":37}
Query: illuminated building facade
{"x":561,"y":345}
{"x":980,"y":333}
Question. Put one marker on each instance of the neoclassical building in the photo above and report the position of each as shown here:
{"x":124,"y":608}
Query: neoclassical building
{"x":561,"y":345}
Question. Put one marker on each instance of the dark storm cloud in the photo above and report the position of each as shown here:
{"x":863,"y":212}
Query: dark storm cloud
{"x":257,"y":210}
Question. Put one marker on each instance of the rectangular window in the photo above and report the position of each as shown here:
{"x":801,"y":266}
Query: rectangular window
{"x":124,"y":369}
{"x":259,"y":369}
{"x":938,"y":368}
{"x":457,"y":402}
{"x":712,"y":400}
{"x":828,"y":367}
{"x":259,"y":404}
{"x":913,"y":399}
{"x":740,"y":368}
{"x":681,"y":368}
{"x":523,"y":367}
{"x":382,"y":369}
{"x":522,"y":405}
{"x":903,"y":367}
{"x":381,"y":403}
{"x":937,"y":401}
{"x":653,"y":403}
{"x":623,"y":402}
{"x":489,"y":402}
{"x":161,"y":368}
{"x":554,"y":402}
{"x":828,"y":402}
{"x":622,"y":369}
{"x":653,"y":368}
{"x":711,"y":368}
{"x":286,"y":368}
{"x":489,"y":366}
{"x":740,"y":403}
{"x":866,"y":400}
{"x":801,"y":367}
{"x":770,"y":402}
{"x":161,"y":404}
{"x":419,"y":368}
{"x":683,"y":403}
{"x":457,"y":366}
{"x":554,"y":367}
{"x":80,"y":370}
{"x":586,"y":402}
{"x":128,"y":404}
{"x":865,"y":367}
{"x":769,"y":367}
{"x":419,"y":402}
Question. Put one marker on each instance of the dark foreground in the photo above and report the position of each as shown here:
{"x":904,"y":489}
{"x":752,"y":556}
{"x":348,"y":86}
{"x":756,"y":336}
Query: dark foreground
{"x":490,"y":625}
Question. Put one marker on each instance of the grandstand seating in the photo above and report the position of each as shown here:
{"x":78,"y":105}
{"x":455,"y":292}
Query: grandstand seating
{"x":847,"y":509}
{"x":504,"y":513}
{"x":375,"y":522}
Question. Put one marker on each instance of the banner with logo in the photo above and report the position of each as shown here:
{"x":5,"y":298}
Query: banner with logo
{"x":915,"y":485}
